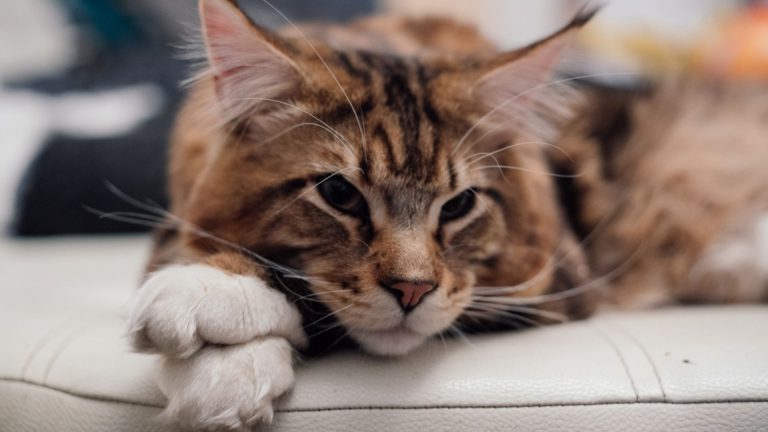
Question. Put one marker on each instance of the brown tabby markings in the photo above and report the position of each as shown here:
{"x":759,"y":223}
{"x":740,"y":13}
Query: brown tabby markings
{"x":668,"y":173}
{"x":390,"y":180}
{"x":254,"y":183}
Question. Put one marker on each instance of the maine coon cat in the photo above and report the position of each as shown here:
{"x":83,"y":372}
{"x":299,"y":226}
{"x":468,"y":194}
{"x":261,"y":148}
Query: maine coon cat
{"x":394,"y":179}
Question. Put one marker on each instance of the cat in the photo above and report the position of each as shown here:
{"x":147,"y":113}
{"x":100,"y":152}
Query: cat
{"x":672,"y":177}
{"x":394,"y":179}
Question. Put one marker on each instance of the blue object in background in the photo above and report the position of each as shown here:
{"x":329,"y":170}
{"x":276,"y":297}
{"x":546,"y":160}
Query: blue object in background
{"x":106,"y":20}
{"x":123,"y":43}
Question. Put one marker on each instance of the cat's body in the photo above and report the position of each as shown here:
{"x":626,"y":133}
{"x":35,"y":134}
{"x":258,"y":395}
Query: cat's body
{"x":389,"y":180}
{"x":672,"y":180}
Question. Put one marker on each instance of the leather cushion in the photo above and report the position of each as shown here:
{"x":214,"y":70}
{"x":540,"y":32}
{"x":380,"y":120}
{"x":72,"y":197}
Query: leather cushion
{"x":66,"y":366}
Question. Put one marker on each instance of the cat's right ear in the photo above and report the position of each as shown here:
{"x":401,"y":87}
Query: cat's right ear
{"x":517,"y":88}
{"x":249,"y":64}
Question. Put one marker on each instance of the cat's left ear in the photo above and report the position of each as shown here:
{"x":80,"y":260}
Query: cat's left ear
{"x":515,"y":83}
{"x":250,"y":65}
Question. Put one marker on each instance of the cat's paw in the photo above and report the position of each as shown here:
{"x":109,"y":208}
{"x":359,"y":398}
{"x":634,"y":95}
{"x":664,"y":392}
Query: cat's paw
{"x":732,"y":269}
{"x":227,"y":388}
{"x":182,"y":307}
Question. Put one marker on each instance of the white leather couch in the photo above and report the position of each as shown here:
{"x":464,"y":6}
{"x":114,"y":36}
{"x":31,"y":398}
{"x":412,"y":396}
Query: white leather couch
{"x":64,"y":365}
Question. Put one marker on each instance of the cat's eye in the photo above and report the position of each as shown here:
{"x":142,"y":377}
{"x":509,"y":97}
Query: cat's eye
{"x":458,"y":206}
{"x":341,"y":195}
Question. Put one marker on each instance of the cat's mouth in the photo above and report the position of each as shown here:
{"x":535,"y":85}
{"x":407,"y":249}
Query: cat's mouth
{"x":395,"y":341}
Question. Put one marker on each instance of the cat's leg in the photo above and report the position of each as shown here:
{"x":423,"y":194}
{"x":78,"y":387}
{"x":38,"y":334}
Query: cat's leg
{"x":226,"y":338}
{"x":227,"y":387}
{"x":182,"y":307}
{"x":734,"y":268}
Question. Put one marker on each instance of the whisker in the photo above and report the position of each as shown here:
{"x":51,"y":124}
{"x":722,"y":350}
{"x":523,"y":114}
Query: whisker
{"x":484,"y":305}
{"x":200,"y":232}
{"x":339,"y":339}
{"x":501,"y":171}
{"x":301,"y":110}
{"x":309,"y":297}
{"x":531,"y":90}
{"x":516,"y":317}
{"x":328,"y":315}
{"x":349,"y":101}
{"x":321,"y":293}
{"x":471,"y":160}
{"x":333,"y":132}
{"x":368,"y":247}
{"x":528,"y":170}
{"x":485,"y":207}
{"x":243,"y":130}
{"x":133,"y":201}
{"x":335,"y":325}
{"x":553,"y":261}
{"x":307,"y":303}
{"x":572,"y":292}
{"x":454,"y":329}
{"x":442,"y":339}
{"x":129,"y":214}
{"x":147,"y":220}
{"x":304,"y":304}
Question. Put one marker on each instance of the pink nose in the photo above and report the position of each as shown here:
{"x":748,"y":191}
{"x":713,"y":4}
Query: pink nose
{"x":409,"y":293}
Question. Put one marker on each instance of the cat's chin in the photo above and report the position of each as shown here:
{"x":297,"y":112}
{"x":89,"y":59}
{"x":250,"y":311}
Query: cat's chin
{"x":392,"y":342}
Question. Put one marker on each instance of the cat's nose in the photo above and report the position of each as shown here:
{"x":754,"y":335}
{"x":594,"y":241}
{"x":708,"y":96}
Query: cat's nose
{"x":409,"y":293}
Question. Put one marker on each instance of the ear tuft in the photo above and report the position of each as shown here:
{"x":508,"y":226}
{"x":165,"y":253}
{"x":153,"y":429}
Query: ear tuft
{"x":248,"y":63}
{"x":516,"y":86}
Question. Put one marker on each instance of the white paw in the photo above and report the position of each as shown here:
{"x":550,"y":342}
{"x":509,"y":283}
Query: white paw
{"x":735,"y":268}
{"x":181,"y":307}
{"x":229,"y":388}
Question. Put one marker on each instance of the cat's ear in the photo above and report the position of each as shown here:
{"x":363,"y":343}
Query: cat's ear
{"x":249,"y":64}
{"x":516,"y":83}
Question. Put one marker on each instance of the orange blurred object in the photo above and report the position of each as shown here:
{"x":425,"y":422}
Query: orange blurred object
{"x":739,"y":49}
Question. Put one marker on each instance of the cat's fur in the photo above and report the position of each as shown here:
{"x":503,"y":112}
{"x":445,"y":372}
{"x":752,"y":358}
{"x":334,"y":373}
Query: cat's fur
{"x":412,"y":113}
{"x":673,"y":180}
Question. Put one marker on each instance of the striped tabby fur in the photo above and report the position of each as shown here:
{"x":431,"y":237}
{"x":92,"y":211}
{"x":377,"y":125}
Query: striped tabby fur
{"x":395,"y":179}
{"x":407,"y":123}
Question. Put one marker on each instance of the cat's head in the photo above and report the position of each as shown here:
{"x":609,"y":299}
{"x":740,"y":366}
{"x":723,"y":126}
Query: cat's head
{"x":394,"y":185}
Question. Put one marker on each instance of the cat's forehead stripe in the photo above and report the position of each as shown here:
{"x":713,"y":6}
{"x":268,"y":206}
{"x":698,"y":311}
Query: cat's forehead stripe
{"x":401,"y":120}
{"x":402,"y":102}
{"x":354,"y":70}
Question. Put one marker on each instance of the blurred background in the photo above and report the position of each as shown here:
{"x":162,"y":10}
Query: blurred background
{"x":89,"y":88}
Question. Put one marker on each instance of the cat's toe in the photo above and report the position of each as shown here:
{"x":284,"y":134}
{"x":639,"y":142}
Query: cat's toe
{"x":163,"y":317}
{"x":164,"y":334}
{"x":182,"y":307}
{"x":227,"y":388}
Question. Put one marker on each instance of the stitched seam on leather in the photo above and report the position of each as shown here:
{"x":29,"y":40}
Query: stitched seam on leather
{"x":647,"y":357}
{"x":41,"y":343}
{"x":623,"y":361}
{"x":492,"y":407}
{"x":76,"y":394}
{"x":73,"y":334}
{"x":412,"y":407}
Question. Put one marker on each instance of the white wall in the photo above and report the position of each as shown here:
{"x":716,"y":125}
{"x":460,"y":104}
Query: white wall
{"x":35,"y":39}
{"x":507,"y":23}
{"x":512,"y":23}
